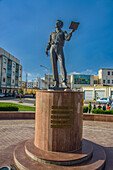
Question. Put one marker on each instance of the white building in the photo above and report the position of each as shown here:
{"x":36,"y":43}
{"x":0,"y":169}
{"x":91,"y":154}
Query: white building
{"x":32,"y":84}
{"x":50,"y":83}
{"x":106,"y":76}
{"x":41,"y":83}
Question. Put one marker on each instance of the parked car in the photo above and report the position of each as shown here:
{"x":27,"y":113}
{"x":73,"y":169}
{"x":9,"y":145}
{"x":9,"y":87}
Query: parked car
{"x":8,"y":94}
{"x":2,"y":95}
{"x":19,"y":95}
{"x":103,"y":100}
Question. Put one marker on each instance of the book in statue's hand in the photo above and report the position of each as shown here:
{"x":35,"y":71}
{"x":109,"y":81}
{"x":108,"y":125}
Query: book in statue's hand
{"x":74,"y":25}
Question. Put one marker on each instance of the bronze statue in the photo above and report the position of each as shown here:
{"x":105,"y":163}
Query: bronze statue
{"x":55,"y":45}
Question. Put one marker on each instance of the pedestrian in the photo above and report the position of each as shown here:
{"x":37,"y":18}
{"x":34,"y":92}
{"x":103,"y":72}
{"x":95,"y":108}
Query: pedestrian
{"x":94,"y":106}
{"x":111,"y":106}
{"x":99,"y":106}
{"x":110,"y":101}
{"x":108,"y":107}
{"x":104,"y":107}
{"x":89,"y":107}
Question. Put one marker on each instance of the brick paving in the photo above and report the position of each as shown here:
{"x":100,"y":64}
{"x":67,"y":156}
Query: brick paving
{"x":14,"y":131}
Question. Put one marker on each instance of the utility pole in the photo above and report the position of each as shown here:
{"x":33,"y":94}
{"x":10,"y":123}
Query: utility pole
{"x":48,"y":75}
{"x":26,"y":82}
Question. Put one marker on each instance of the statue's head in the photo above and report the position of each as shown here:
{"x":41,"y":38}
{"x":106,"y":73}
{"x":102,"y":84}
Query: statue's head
{"x":59,"y":24}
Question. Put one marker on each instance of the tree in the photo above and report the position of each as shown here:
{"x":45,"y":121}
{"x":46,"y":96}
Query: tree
{"x":20,"y":91}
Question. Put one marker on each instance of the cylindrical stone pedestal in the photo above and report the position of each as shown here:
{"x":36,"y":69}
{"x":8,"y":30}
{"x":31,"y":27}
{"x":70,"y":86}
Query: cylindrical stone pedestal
{"x":58,"y":120}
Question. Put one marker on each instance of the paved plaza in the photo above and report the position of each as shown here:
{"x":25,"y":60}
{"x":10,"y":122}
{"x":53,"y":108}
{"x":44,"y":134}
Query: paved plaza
{"x":14,"y":131}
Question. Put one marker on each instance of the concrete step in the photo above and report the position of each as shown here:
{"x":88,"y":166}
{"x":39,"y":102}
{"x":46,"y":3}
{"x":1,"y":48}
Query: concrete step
{"x":24,"y":162}
{"x":59,"y":158}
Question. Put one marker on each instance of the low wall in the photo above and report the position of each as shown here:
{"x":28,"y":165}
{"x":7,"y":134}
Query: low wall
{"x":17,"y":115}
{"x":98,"y":117}
{"x":31,"y":115}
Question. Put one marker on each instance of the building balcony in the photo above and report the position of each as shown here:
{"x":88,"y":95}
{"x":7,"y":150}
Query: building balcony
{"x":9,"y":66}
{"x":8,"y":83}
{"x":9,"y":73}
{"x":17,"y":73}
{"x":16,"y":77}
{"x":17,"y":70}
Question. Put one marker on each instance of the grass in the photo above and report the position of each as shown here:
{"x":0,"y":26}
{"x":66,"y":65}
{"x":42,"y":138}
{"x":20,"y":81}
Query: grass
{"x":21,"y":107}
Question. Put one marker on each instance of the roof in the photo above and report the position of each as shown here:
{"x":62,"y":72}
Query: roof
{"x":8,"y":55}
{"x":105,"y":69}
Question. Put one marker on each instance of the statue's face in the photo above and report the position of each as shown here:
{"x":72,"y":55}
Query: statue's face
{"x":58,"y":24}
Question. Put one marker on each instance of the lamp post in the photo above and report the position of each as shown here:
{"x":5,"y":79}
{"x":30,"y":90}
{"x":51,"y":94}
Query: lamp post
{"x":48,"y":75}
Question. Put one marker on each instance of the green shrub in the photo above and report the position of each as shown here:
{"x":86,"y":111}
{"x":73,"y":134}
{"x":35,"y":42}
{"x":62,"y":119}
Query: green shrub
{"x":8,"y":108}
{"x":99,"y":111}
{"x":85,"y":109}
{"x":20,"y":107}
{"x":109,"y":112}
{"x":20,"y":102}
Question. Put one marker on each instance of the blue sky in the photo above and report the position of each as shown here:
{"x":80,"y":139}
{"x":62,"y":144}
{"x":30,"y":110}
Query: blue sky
{"x":25,"y":26}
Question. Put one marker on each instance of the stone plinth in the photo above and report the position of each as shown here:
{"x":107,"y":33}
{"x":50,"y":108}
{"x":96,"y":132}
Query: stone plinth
{"x":58,"y":120}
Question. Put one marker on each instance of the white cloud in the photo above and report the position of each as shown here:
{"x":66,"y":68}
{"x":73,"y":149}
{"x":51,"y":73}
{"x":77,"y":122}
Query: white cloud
{"x":29,"y":74}
{"x":73,"y":73}
{"x":29,"y":80}
{"x":87,"y":72}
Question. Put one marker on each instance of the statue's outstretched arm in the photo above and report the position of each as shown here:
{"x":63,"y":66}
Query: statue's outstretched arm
{"x":68,"y":36}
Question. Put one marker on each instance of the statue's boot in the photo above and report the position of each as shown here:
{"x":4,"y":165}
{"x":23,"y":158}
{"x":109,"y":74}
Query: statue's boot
{"x":64,"y":85}
{"x":56,"y":84}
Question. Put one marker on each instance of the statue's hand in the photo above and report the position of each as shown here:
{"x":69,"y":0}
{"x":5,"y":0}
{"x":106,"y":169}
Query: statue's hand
{"x":47,"y":53}
{"x":72,"y":31}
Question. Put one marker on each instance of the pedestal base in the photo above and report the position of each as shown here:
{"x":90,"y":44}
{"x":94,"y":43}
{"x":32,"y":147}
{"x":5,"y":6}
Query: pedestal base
{"x":90,"y":157}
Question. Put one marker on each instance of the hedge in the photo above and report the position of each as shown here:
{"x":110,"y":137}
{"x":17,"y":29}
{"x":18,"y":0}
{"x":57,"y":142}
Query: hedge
{"x":10,"y":108}
{"x":85,"y":109}
{"x":99,"y":111}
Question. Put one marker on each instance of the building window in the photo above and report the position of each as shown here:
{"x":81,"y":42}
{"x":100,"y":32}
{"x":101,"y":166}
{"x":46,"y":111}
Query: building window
{"x":5,"y":60}
{"x":12,"y":81}
{"x":108,"y":81}
{"x":13,"y":65}
{"x":4,"y":70}
{"x":95,"y":82}
{"x":108,"y":72}
{"x":112,"y":72}
{"x":4,"y":80}
{"x":13,"y":73}
{"x":112,"y":81}
{"x":103,"y":81}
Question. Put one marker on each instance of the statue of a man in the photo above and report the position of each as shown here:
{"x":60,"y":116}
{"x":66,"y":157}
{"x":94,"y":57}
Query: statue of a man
{"x":55,"y":45}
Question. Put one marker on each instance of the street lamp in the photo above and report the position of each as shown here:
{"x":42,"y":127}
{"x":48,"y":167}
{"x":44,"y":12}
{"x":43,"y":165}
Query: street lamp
{"x":48,"y":75}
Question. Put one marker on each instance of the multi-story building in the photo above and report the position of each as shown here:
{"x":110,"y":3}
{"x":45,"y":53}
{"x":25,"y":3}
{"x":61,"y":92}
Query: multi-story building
{"x":24,"y":84}
{"x":41,"y":83}
{"x":49,"y":81}
{"x":106,"y":77}
{"x":33,"y":84}
{"x":96,"y":80}
{"x":10,"y":72}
